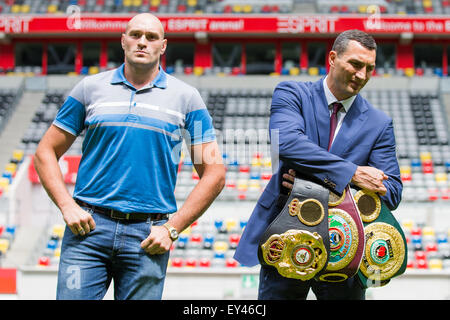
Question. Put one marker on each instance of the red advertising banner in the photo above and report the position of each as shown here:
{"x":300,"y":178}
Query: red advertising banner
{"x":257,"y":24}
{"x":69,"y":167}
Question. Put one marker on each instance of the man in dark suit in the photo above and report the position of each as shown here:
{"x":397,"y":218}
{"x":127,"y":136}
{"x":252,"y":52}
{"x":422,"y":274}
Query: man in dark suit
{"x":357,"y":148}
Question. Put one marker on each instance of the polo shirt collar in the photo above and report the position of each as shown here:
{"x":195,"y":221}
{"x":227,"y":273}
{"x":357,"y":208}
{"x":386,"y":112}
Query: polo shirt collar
{"x":160,"y":81}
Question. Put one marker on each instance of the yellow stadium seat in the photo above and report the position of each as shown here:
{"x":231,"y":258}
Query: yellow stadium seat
{"x":230,"y":224}
{"x":25,"y":8}
{"x":425,"y":156}
{"x":313,"y":71}
{"x":198,"y":12}
{"x":155,"y":3}
{"x":242,"y":186}
{"x":57,"y":253}
{"x":15,"y":8}
{"x":4,"y":245}
{"x":93,"y":70}
{"x":255,"y":185}
{"x":192,"y":3}
{"x":409,"y":72}
{"x":435,"y":264}
{"x":187,"y":231}
{"x":127,"y":3}
{"x":52,"y":8}
{"x":427,"y":3}
{"x":294,"y":71}
{"x":267,"y":162}
{"x":441,"y":177}
{"x":4,"y":184}
{"x":256,"y":162}
{"x":428,"y":231}
{"x":362,"y":9}
{"x":247,"y":8}
{"x":237,"y":8}
{"x":137,"y":3}
{"x":407,"y":224}
{"x":58,"y":230}
{"x":11,"y":167}
{"x":198,"y":71}
{"x":220,"y":246}
{"x":18,"y":155}
{"x":405,"y":169}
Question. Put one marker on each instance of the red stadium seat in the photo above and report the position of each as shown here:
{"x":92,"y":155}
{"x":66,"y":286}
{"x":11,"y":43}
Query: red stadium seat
{"x":344,"y":9}
{"x":265,"y":9}
{"x":334,"y":9}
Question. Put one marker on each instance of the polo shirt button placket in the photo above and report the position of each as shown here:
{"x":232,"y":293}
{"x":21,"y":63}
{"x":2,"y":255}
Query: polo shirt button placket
{"x":132,"y":112}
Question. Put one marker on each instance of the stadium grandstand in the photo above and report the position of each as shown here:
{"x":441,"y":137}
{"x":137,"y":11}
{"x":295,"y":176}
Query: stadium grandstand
{"x":235,"y":52}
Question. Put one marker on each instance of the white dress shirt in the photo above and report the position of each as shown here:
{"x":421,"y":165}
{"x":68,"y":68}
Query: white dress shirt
{"x":347,"y":103}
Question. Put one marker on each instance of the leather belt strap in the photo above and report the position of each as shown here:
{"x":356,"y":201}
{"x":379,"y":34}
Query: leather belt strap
{"x":346,"y":238}
{"x":118,"y":215}
{"x":297,"y":242}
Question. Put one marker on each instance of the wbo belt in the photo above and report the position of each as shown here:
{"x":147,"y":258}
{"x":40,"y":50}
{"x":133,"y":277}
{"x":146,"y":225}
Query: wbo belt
{"x":297,"y":241}
{"x":118,"y":215}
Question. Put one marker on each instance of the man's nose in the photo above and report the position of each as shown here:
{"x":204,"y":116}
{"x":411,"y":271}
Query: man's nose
{"x":142,"y":41}
{"x":362,"y":73}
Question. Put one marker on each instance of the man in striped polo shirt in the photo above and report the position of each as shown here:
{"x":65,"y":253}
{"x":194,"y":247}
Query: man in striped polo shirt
{"x":122,"y":218}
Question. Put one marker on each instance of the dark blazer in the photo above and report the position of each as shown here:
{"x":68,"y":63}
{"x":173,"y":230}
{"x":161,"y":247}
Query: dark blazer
{"x":299,"y":126}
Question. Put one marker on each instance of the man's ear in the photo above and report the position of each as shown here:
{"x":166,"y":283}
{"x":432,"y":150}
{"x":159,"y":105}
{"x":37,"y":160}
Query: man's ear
{"x":122,"y":41}
{"x":164,"y":46}
{"x":331,"y":57}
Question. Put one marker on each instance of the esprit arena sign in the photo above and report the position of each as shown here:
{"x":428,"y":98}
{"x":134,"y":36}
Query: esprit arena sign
{"x":256,"y":24}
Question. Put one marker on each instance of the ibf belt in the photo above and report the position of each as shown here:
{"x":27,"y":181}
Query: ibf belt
{"x":346,"y":238}
{"x":297,"y":242}
{"x":385,"y":254}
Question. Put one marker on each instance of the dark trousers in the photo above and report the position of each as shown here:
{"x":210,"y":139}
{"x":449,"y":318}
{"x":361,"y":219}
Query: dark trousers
{"x":273,"y":286}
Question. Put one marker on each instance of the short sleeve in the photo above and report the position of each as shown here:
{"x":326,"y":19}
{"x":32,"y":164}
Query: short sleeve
{"x":72,"y":113}
{"x":199,"y":123}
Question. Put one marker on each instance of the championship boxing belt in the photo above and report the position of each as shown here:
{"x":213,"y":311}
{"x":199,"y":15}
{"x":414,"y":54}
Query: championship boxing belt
{"x":385,"y":252}
{"x":346,"y":238}
{"x":297,"y":242}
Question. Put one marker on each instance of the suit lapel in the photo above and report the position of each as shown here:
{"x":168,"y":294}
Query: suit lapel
{"x":351,"y":125}
{"x":321,"y":113}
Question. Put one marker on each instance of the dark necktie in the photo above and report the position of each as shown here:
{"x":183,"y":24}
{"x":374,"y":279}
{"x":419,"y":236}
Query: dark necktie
{"x":333,"y":121}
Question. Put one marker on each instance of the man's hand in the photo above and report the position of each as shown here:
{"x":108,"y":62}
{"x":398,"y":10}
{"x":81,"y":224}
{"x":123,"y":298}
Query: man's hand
{"x":78,"y":220}
{"x":365,"y":177}
{"x":370,"y":178}
{"x":289,"y":179}
{"x":158,"y":241}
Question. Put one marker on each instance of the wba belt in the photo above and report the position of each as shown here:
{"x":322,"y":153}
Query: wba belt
{"x":346,"y":238}
{"x":385,"y":254}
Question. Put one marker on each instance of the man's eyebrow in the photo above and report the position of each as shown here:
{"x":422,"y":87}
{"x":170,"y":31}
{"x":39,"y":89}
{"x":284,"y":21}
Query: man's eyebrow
{"x":144,"y":32}
{"x":361,"y":62}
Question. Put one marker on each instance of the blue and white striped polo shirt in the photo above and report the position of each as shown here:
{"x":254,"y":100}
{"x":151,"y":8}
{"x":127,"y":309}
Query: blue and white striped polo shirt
{"x":133,"y":138}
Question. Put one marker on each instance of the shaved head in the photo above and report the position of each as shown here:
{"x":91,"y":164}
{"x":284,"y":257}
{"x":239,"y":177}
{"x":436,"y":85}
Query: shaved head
{"x":145,"y":18}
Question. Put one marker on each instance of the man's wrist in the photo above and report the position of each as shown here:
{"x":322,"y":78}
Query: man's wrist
{"x":173,"y":233}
